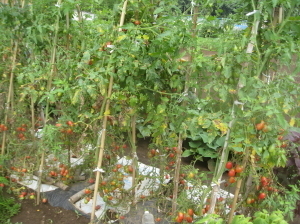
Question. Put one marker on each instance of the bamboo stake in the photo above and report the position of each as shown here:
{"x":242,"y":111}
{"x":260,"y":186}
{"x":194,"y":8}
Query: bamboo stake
{"x":49,"y":84}
{"x":10,"y":91}
{"x":237,"y":189}
{"x":123,"y":14}
{"x":32,"y":118}
{"x":180,"y":138}
{"x":38,"y":190}
{"x":134,"y":155}
{"x":103,"y":136}
{"x":177,"y":172}
{"x":225,"y":151}
{"x":103,"y":131}
{"x":220,"y":170}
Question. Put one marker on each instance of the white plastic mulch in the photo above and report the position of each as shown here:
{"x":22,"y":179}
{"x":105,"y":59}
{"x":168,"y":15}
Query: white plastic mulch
{"x":149,"y":184}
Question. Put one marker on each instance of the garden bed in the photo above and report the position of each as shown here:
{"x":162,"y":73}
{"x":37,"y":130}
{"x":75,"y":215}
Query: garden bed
{"x":59,"y":200}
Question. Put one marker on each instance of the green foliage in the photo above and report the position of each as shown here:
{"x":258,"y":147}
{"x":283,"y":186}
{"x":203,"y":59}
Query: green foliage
{"x":260,"y":217}
{"x":285,"y":202}
{"x":9,"y":207}
{"x":264,"y":217}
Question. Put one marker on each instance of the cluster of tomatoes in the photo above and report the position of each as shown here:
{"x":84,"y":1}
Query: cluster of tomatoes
{"x":115,"y":147}
{"x":262,"y":126}
{"x":66,"y":129}
{"x":233,"y":171}
{"x":62,"y":173}
{"x":21,"y":172}
{"x":263,"y":189}
{"x":3,"y":127}
{"x":20,"y":130}
{"x":26,"y":195}
{"x":170,"y":153}
{"x":185,"y":216}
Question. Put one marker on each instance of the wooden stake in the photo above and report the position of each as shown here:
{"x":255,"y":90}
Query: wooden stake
{"x":102,"y":143}
{"x":10,"y":94}
{"x":237,"y":189}
{"x":49,"y":84}
{"x":225,"y":151}
{"x":134,"y":155}
{"x":40,"y":172}
{"x":104,"y":124}
{"x":177,"y":172}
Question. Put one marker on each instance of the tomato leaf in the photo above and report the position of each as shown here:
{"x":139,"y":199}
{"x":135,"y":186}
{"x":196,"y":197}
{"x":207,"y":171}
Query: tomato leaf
{"x":187,"y":153}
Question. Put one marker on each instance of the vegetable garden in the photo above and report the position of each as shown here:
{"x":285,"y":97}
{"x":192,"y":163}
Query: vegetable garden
{"x":85,"y":80}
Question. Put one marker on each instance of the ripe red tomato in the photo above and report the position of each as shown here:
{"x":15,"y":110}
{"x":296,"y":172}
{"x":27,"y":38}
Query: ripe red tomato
{"x":87,"y":191}
{"x":21,"y":135}
{"x":171,"y":155}
{"x":157,"y":219}
{"x":229,"y":165}
{"x":220,"y":199}
{"x":44,"y":200}
{"x":142,"y":196}
{"x":70,"y":123}
{"x":260,"y":125}
{"x":180,"y":216}
{"x":239,"y":169}
{"x":283,"y":145}
{"x":263,"y":179}
{"x":231,"y":173}
{"x":189,"y":219}
{"x":190,"y":212}
{"x":262,"y":196}
{"x":137,"y":22}
{"x":91,"y":180}
{"x":153,"y":152}
{"x":231,"y":180}
{"x":69,"y":131}
{"x":130,"y":169}
{"x":178,"y":220}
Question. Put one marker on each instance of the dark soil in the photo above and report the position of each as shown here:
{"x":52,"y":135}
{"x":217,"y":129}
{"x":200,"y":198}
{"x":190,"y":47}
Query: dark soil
{"x":46,"y":214}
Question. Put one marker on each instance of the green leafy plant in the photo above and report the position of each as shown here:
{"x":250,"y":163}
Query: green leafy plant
{"x":9,"y":207}
{"x":260,"y":217}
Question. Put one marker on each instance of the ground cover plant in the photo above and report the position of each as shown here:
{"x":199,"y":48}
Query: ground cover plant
{"x":87,"y":79}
